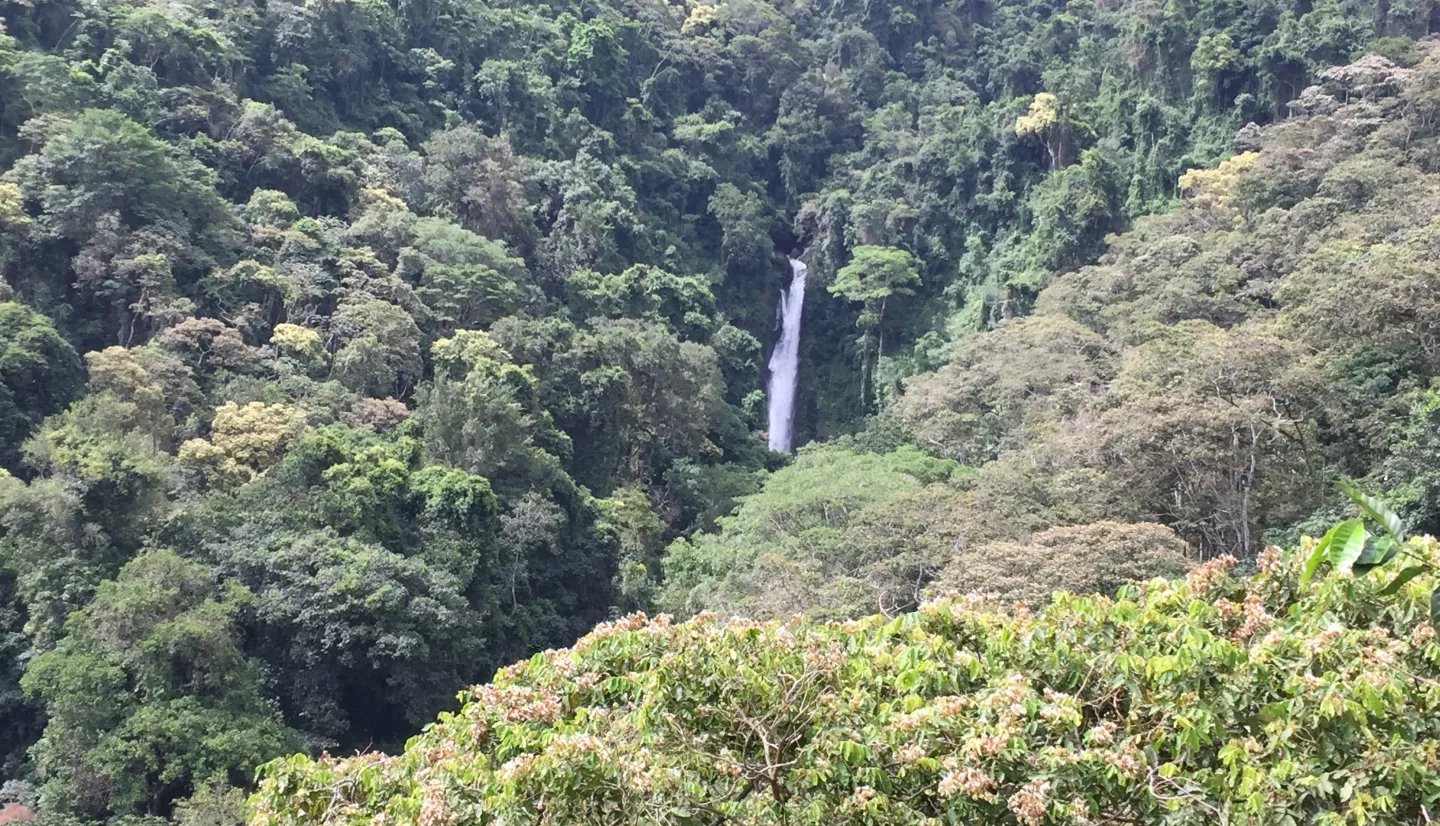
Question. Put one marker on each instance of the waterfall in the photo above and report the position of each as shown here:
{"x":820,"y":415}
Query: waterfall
{"x":785,"y":362}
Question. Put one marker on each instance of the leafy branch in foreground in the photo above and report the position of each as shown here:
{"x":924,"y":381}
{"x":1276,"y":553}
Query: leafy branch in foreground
{"x":1213,"y":699}
{"x":1350,"y":547}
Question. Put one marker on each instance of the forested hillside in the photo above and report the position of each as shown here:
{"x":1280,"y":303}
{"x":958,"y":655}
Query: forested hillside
{"x":353,"y":349}
{"x":1219,"y":368}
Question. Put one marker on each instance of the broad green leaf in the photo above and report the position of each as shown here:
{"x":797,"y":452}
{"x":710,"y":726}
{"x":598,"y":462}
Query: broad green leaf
{"x":1435,"y":608}
{"x":1377,"y":553}
{"x":1317,"y":555}
{"x":1347,"y":544}
{"x":1401,"y":578}
{"x":1377,"y":510}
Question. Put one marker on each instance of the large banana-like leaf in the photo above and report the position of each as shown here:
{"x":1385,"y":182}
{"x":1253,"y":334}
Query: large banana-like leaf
{"x":1317,"y":555}
{"x":1348,"y":544}
{"x":1377,"y":510}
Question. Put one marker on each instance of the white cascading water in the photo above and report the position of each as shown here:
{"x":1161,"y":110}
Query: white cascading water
{"x":785,"y":362}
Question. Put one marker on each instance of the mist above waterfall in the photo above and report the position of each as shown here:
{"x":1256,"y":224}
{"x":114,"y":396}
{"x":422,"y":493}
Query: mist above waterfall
{"x":785,"y":362}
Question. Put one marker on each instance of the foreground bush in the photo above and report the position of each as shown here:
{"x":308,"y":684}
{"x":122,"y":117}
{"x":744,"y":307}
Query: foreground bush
{"x":1215,"y":699}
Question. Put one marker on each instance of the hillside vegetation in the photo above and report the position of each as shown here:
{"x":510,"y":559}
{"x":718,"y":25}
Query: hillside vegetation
{"x":351,"y":350}
{"x":1215,"y":372}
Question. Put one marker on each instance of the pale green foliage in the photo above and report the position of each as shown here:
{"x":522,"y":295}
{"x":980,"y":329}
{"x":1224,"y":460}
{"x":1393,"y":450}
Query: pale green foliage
{"x":214,"y":803}
{"x":1218,"y":184}
{"x":162,"y":388}
{"x":475,"y":413}
{"x":999,"y":389}
{"x":742,"y":218}
{"x":465,"y":280}
{"x":99,"y":162}
{"x":873,"y":275}
{"x":1044,"y":113}
{"x":1046,"y":121}
{"x":803,"y":544}
{"x":298,"y":342}
{"x":244,"y":440}
{"x":1214,"y":372}
{"x":876,"y":273}
{"x":840,"y":534}
{"x":629,"y":513}
{"x":381,"y":353}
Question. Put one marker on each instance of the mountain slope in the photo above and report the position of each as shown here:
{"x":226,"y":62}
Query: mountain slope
{"x":1220,"y":367}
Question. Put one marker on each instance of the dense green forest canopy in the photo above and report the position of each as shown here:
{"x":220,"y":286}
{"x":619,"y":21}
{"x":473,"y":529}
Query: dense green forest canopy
{"x":353,"y":349}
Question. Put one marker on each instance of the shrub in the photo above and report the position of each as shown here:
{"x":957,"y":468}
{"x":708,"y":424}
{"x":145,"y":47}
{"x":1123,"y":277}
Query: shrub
{"x":1212,"y":699}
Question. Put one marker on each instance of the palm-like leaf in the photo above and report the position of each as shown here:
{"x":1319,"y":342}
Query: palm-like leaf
{"x":1377,"y":510}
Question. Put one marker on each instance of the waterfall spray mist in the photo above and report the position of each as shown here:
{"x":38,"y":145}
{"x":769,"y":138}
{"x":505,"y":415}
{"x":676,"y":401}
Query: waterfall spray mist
{"x":785,"y":362}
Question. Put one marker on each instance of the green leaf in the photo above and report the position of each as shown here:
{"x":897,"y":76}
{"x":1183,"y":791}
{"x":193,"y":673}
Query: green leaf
{"x":1317,"y":555}
{"x":1377,"y":510}
{"x":1401,"y":578}
{"x":1347,"y":544}
{"x":1271,"y":712}
{"x":1435,"y":608}
{"x":1377,"y":553}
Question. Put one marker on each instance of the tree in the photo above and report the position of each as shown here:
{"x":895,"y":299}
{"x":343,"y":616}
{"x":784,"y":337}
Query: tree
{"x":629,"y":393}
{"x":144,"y":217}
{"x":149,"y":693}
{"x":465,"y":280}
{"x":206,"y":342}
{"x":99,"y":162}
{"x":380,"y":354}
{"x":243,"y":441}
{"x":746,"y":242}
{"x":686,"y":303}
{"x":161,"y":388}
{"x":873,"y":275}
{"x":55,"y":555}
{"x":482,"y":182}
{"x":372,"y":571}
{"x":373,"y":642}
{"x":1097,"y":558}
{"x":116,"y":478}
{"x":1003,"y":388}
{"x":597,"y":58}
{"x":801,"y":543}
{"x":1045,"y":120}
{"x":478,"y":413}
{"x":300,"y":343}
{"x":39,"y":374}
